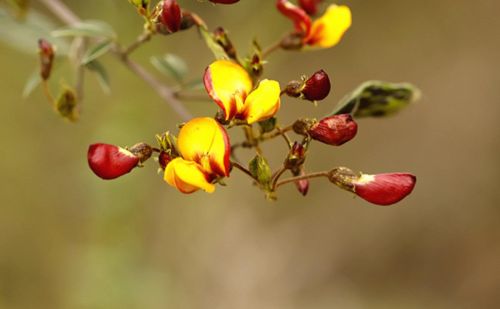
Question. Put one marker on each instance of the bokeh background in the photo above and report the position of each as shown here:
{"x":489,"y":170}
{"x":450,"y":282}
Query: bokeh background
{"x":71,"y":240}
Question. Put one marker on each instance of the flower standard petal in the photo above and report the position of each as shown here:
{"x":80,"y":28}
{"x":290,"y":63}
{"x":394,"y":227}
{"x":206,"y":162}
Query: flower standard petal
{"x":384,"y":189}
{"x":187,"y":176}
{"x":263,"y":102}
{"x":206,"y":142}
{"x":329,"y":28}
{"x":227,"y":83}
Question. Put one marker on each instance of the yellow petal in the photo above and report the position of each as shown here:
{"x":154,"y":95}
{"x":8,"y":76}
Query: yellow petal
{"x":329,"y":29}
{"x":205,"y":141}
{"x":263,"y":102}
{"x":227,"y":82}
{"x":186,"y":176}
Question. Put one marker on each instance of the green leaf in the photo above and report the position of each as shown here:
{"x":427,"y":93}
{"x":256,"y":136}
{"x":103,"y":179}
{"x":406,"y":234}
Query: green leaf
{"x":23,"y":34}
{"x":171,"y":65}
{"x":212,"y":44}
{"x":88,"y":28}
{"x":102,"y":75}
{"x":259,"y":168}
{"x":31,"y":84}
{"x":377,"y":99}
{"x":97,"y":51}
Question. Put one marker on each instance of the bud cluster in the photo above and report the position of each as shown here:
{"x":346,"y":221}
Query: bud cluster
{"x":201,"y":156}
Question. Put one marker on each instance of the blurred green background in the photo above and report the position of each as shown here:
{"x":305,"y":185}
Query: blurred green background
{"x":71,"y":240}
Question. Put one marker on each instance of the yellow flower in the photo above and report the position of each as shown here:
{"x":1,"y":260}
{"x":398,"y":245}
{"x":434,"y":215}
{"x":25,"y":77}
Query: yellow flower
{"x":204,"y":150}
{"x":231,"y":87}
{"x":329,"y":28}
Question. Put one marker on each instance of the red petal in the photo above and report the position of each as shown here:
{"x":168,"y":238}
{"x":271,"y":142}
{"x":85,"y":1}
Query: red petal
{"x":301,"y":20}
{"x":385,"y":189}
{"x":110,"y":161}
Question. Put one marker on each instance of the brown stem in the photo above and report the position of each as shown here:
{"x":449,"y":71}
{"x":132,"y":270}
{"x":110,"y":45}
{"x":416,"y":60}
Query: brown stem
{"x":278,"y":132}
{"x":243,"y":169}
{"x":163,"y":91}
{"x":270,"y":49}
{"x":143,"y":38}
{"x":276,"y":177}
{"x":306,"y":176}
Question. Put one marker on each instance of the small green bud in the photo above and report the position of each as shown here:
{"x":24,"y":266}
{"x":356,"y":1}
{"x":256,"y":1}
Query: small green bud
{"x":66,"y":104}
{"x":259,"y":168}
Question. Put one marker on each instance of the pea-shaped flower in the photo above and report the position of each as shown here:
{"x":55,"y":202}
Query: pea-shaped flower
{"x":204,"y":149}
{"x":231,"y":87}
{"x":324,"y":32}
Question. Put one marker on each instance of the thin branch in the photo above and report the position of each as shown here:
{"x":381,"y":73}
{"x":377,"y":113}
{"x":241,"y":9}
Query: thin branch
{"x":64,"y":13}
{"x":276,"y":177}
{"x":163,"y":91}
{"x":243,"y":169}
{"x":143,"y":38}
{"x":270,"y":49}
{"x":302,"y":177}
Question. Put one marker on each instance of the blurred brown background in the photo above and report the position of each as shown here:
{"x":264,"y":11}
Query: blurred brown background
{"x":70,"y":240}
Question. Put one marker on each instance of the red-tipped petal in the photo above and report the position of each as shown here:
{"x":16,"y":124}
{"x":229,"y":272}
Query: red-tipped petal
{"x":171,"y":15}
{"x":310,"y":6}
{"x":110,"y":161}
{"x":384,"y":189}
{"x":317,"y":87}
{"x":300,"y":19}
{"x":302,"y":185}
{"x":335,"y":130}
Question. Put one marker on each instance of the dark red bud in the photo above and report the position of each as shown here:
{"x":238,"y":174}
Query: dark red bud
{"x":296,"y":157}
{"x":310,"y":6}
{"x":224,"y":1}
{"x":163,"y":159}
{"x":317,"y":87}
{"x":302,"y":185}
{"x":110,"y":161}
{"x":335,"y":130}
{"x":384,"y":189}
{"x":171,"y":15}
{"x":46,"y":52}
{"x":301,"y":20}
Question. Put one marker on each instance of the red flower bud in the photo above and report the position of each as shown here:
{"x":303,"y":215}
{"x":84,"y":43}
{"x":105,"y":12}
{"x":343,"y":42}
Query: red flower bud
{"x":110,"y":161}
{"x":317,"y":87}
{"x":302,"y":185}
{"x":171,"y":15}
{"x":163,"y":159}
{"x":224,"y":1}
{"x":384,"y":189}
{"x":310,"y":6}
{"x":301,"y":20}
{"x":46,"y":52}
{"x":335,"y":130}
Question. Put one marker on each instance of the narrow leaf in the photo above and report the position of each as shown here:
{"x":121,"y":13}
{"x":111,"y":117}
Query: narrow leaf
{"x":101,"y":74}
{"x":23,"y":34}
{"x":171,"y":65}
{"x":31,"y":84}
{"x":97,"y":51}
{"x":377,"y":99}
{"x":212,"y":44}
{"x":89,"y":28}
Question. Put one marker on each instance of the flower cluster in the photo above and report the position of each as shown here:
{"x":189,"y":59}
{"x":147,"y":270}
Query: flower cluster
{"x":201,"y":155}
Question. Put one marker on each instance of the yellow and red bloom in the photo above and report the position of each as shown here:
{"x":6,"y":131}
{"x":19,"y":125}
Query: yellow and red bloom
{"x":324,"y":32}
{"x":204,"y":149}
{"x":231,"y":87}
